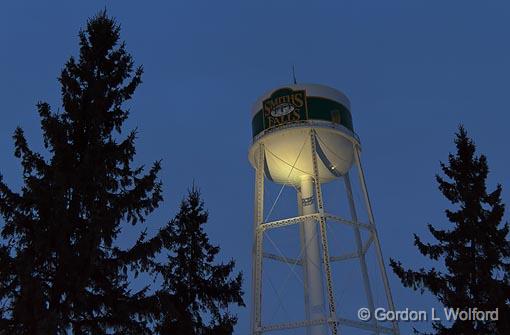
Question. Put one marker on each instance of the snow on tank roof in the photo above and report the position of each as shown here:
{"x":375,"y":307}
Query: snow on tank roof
{"x":312,"y":90}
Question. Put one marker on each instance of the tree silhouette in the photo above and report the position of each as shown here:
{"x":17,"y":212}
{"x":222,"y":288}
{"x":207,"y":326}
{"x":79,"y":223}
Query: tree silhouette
{"x":475,"y":252}
{"x":200,"y":288}
{"x":61,"y":267}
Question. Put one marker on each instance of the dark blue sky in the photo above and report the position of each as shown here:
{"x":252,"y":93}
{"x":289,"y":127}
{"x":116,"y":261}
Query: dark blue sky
{"x":413,"y":70}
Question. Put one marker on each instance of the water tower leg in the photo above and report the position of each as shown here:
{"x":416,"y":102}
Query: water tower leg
{"x":378,"y":249}
{"x":359,"y":247}
{"x":256,"y":317}
{"x":312,"y":264}
{"x":332,"y":317}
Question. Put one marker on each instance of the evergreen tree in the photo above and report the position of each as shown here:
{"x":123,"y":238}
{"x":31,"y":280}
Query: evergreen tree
{"x":202,"y":290}
{"x":57,"y":265}
{"x":61,"y":267}
{"x":475,"y":251}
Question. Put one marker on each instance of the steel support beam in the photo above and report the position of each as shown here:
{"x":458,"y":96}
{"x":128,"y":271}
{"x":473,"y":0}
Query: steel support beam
{"x":284,"y":259}
{"x":359,"y":247}
{"x":323,"y":232}
{"x":258,"y":219}
{"x":378,"y":249}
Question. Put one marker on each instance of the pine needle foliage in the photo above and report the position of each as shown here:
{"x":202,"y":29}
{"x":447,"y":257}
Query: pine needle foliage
{"x":473,"y":255}
{"x":62,"y":269}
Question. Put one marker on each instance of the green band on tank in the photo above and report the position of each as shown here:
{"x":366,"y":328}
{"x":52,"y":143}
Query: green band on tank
{"x":317,"y":108}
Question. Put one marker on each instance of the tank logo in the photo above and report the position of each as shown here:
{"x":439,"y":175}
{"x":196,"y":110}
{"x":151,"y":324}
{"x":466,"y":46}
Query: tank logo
{"x":283,"y":106}
{"x":282,"y":109}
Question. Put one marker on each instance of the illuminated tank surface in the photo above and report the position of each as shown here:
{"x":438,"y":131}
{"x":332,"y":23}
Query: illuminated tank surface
{"x":281,"y":121}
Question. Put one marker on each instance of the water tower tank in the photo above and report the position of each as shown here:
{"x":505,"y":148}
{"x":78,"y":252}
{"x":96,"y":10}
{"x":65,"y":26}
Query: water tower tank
{"x":281,"y":121}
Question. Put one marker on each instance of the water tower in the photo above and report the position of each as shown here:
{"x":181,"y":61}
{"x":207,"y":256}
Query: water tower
{"x":303,"y":136}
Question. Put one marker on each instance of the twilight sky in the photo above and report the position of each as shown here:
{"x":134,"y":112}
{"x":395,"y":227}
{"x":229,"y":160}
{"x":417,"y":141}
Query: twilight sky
{"x":413,"y":71}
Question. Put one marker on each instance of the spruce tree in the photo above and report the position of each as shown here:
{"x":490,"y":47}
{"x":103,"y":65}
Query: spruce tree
{"x":58,"y":271}
{"x":473,"y":255}
{"x":202,"y":289}
{"x":62,"y":269}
